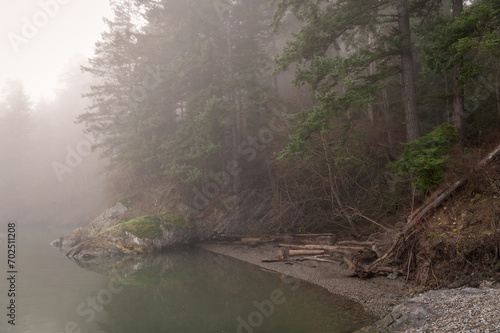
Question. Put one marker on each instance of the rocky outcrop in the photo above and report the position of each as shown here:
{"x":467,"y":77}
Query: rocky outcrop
{"x":411,"y":314}
{"x":107,"y":236}
{"x":110,"y":236}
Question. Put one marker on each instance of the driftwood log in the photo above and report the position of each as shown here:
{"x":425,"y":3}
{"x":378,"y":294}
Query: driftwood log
{"x":291,"y":253}
{"x":324,"y":247}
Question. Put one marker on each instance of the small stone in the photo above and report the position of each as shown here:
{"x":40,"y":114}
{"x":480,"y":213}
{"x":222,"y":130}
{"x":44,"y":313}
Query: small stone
{"x":392,"y":276}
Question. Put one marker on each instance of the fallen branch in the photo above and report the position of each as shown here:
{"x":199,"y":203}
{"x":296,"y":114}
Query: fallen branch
{"x":429,"y":205}
{"x":315,"y":258}
{"x":355,"y":243}
{"x":313,"y":235}
{"x":331,"y":260}
{"x":434,"y":202}
{"x":357,"y":270}
{"x":372,"y":221}
{"x":324,"y":247}
{"x":367,"y":272}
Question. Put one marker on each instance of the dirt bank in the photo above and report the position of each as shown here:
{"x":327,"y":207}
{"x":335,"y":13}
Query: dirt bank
{"x":377,"y":295}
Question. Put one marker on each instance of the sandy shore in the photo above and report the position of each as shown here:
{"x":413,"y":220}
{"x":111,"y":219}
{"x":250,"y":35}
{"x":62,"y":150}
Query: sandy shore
{"x":378,"y":295}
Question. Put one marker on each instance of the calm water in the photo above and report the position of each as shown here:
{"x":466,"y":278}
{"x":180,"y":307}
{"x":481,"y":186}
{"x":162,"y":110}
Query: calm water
{"x":192,"y":291}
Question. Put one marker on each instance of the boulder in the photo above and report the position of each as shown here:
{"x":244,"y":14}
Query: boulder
{"x":72,"y":239}
{"x":116,"y":211}
{"x":107,"y":236}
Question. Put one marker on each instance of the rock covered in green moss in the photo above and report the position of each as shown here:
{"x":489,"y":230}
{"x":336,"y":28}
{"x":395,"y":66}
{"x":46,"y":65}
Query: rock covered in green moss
{"x":154,"y":226}
{"x":109,"y":235}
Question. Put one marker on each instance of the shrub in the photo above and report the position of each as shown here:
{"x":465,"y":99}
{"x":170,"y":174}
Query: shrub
{"x":425,"y":159}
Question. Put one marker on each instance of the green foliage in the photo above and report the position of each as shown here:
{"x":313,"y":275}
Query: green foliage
{"x":150,"y":226}
{"x":347,"y":52}
{"x":450,"y":43}
{"x":425,"y":159}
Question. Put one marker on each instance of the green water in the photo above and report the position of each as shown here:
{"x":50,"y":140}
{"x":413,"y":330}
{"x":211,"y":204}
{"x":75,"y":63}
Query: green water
{"x":190,"y":291}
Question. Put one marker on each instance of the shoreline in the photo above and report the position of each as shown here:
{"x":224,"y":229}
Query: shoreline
{"x":398,"y":305}
{"x":378,"y":296}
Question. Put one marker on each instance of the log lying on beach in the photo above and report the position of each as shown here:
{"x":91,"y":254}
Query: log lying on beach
{"x":321,"y":258}
{"x":363,"y":272}
{"x":325,"y":238}
{"x":291,"y":253}
{"x":324,"y":247}
{"x":355,"y":243}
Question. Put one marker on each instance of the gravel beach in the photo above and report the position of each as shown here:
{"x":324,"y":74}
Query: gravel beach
{"x":448,"y":310}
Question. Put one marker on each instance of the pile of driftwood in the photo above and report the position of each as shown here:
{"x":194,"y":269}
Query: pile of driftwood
{"x":303,"y":249}
{"x":355,"y":254}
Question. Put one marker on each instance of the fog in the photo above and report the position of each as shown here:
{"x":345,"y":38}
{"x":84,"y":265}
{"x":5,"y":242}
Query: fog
{"x":49,"y":172}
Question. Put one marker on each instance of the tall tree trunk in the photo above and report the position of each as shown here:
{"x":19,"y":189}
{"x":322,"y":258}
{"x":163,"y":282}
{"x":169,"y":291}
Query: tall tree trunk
{"x":236,"y":119}
{"x":458,"y":116}
{"x":275,"y":76}
{"x":387,"y":117}
{"x":448,"y":111}
{"x":371,"y":71}
{"x":408,"y":73}
{"x":497,"y":91}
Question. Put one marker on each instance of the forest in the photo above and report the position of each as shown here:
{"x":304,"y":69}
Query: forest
{"x":294,"y":116}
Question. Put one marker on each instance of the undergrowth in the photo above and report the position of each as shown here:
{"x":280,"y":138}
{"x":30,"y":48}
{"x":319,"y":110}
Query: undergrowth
{"x":460,"y":243}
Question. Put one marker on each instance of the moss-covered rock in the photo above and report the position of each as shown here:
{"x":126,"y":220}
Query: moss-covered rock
{"x":151,"y":226}
{"x":112,"y":234}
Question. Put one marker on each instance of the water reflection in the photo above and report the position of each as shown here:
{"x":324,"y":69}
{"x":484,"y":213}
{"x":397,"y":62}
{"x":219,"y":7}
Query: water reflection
{"x":181,"y":292}
{"x":197,"y":291}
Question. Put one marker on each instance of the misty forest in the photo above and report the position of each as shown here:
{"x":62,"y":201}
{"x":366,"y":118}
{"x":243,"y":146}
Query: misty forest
{"x":370,"y":121}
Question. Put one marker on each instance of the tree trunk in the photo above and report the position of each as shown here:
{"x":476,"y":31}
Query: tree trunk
{"x":236,"y":119}
{"x":371,"y":71}
{"x":408,"y":73}
{"x":497,"y":91}
{"x":275,"y":76}
{"x":448,"y":112}
{"x":458,"y":116}
{"x":387,"y":117}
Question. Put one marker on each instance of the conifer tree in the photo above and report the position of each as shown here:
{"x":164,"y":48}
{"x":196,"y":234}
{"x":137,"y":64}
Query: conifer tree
{"x":337,"y":45}
{"x":458,"y":43}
